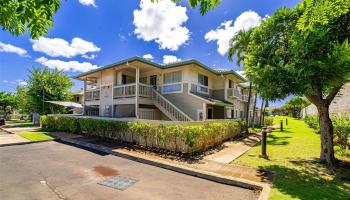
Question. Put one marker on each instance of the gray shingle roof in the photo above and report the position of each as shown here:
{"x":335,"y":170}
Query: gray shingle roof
{"x":164,"y":66}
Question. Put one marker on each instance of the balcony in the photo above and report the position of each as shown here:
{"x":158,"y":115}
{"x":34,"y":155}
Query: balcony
{"x":199,"y":88}
{"x":234,"y":93}
{"x":129,"y":90}
{"x":92,"y":95}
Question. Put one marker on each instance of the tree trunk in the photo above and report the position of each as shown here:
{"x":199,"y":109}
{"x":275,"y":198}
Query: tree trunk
{"x":261,"y":111}
{"x":263,"y":114}
{"x":247,"y":107}
{"x":254,"y":107}
{"x":326,"y":134}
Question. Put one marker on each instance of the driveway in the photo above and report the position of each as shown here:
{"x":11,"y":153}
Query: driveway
{"x":6,"y":138}
{"x":52,"y":170}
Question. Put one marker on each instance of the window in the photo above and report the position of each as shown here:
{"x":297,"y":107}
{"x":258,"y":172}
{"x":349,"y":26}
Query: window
{"x":229,"y":84}
{"x":203,"y":84}
{"x":172,"y":82}
{"x":143,"y":80}
{"x":203,"y":80}
{"x":173,"y":77}
{"x":232,"y":113}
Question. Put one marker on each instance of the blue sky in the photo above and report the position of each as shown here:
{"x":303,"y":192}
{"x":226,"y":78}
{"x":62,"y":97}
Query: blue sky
{"x":93,"y":33}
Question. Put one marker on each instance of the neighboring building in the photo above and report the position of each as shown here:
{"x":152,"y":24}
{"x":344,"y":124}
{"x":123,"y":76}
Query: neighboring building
{"x":78,"y":96}
{"x":340,"y":104}
{"x":182,"y":91}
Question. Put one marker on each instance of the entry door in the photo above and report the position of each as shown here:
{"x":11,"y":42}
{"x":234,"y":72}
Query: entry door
{"x":153,"y":80}
{"x":210,"y":113}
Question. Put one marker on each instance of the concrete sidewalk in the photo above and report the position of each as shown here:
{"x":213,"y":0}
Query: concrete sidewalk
{"x":6,"y":138}
{"x":231,"y":150}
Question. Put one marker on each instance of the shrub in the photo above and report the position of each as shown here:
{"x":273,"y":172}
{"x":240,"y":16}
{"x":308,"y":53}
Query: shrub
{"x":196,"y":136}
{"x":341,"y":128}
{"x":312,"y":121}
{"x":341,"y":125}
{"x":268,"y":120}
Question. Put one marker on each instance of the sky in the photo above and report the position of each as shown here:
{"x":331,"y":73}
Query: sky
{"x":88,"y":34}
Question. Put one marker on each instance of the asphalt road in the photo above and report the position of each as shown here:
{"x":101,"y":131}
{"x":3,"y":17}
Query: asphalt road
{"x":52,"y":170}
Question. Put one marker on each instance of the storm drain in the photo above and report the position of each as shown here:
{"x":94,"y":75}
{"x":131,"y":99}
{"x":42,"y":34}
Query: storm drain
{"x":118,"y":182}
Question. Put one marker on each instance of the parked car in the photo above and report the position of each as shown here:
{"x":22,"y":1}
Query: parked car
{"x":24,"y":117}
{"x":2,"y":121}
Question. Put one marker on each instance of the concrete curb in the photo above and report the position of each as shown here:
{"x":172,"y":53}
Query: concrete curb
{"x":263,"y":187}
{"x":23,"y":143}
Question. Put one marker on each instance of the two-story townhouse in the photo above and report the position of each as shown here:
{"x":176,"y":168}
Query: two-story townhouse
{"x":182,"y":91}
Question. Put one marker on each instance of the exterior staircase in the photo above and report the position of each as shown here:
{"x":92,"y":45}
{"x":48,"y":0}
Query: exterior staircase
{"x":169,"y":109}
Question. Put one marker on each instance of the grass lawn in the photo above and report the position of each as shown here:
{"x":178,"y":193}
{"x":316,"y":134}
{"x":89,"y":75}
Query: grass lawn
{"x":19,"y":123}
{"x":36,"y":136}
{"x":293,"y":156}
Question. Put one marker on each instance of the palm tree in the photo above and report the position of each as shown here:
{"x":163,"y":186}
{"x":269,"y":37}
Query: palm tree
{"x":238,"y":45}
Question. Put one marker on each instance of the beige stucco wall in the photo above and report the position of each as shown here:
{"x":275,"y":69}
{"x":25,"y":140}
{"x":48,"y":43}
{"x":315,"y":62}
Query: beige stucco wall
{"x":340,"y":104}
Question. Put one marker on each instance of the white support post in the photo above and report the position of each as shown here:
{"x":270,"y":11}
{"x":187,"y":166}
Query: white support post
{"x":205,"y":111}
{"x":137,"y":92}
{"x":119,"y":77}
{"x":100,"y":107}
{"x":113,"y":82}
{"x":84,"y":92}
{"x":225,"y":88}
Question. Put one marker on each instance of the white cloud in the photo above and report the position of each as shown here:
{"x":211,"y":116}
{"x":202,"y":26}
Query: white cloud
{"x":73,"y":66}
{"x":161,"y":22}
{"x":241,"y":73}
{"x":22,"y":83}
{"x":19,"y":82}
{"x":227,"y":30}
{"x":88,"y":2}
{"x":56,"y":47}
{"x":90,"y":57}
{"x":13,"y":49}
{"x":148,"y":56}
{"x":167,"y":59}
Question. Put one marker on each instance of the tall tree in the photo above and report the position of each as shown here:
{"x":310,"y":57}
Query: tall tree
{"x":238,"y":45}
{"x":295,"y":105}
{"x":254,"y":109}
{"x":45,"y":85}
{"x":8,"y":102}
{"x":284,"y":59}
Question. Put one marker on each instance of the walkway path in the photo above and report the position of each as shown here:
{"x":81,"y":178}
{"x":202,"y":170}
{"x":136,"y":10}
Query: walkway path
{"x":6,"y":138}
{"x":231,"y":150}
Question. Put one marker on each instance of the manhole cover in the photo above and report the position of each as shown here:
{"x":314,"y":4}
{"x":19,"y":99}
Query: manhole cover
{"x":118,"y":182}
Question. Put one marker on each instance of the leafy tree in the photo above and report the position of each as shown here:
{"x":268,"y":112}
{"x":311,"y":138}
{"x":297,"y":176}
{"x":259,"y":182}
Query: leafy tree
{"x":278,"y":111}
{"x":45,"y":85}
{"x":17,"y":16}
{"x":283,"y":59}
{"x":239,"y":45}
{"x":294,"y":106}
{"x":23,"y":104}
{"x":8,"y":102}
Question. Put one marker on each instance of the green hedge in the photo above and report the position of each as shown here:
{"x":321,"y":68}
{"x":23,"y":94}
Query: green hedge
{"x":196,"y":136}
{"x":268,"y":121}
{"x":341,"y":128}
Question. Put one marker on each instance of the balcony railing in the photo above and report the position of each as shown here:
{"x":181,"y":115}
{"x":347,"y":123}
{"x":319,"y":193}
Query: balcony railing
{"x":91,"y":95}
{"x":232,"y":92}
{"x":245,"y":98}
{"x":199,"y":88}
{"x":129,"y":90}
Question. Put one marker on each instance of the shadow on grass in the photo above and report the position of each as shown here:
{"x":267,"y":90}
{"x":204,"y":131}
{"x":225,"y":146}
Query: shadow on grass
{"x":308,"y":179}
{"x":277,"y":140}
